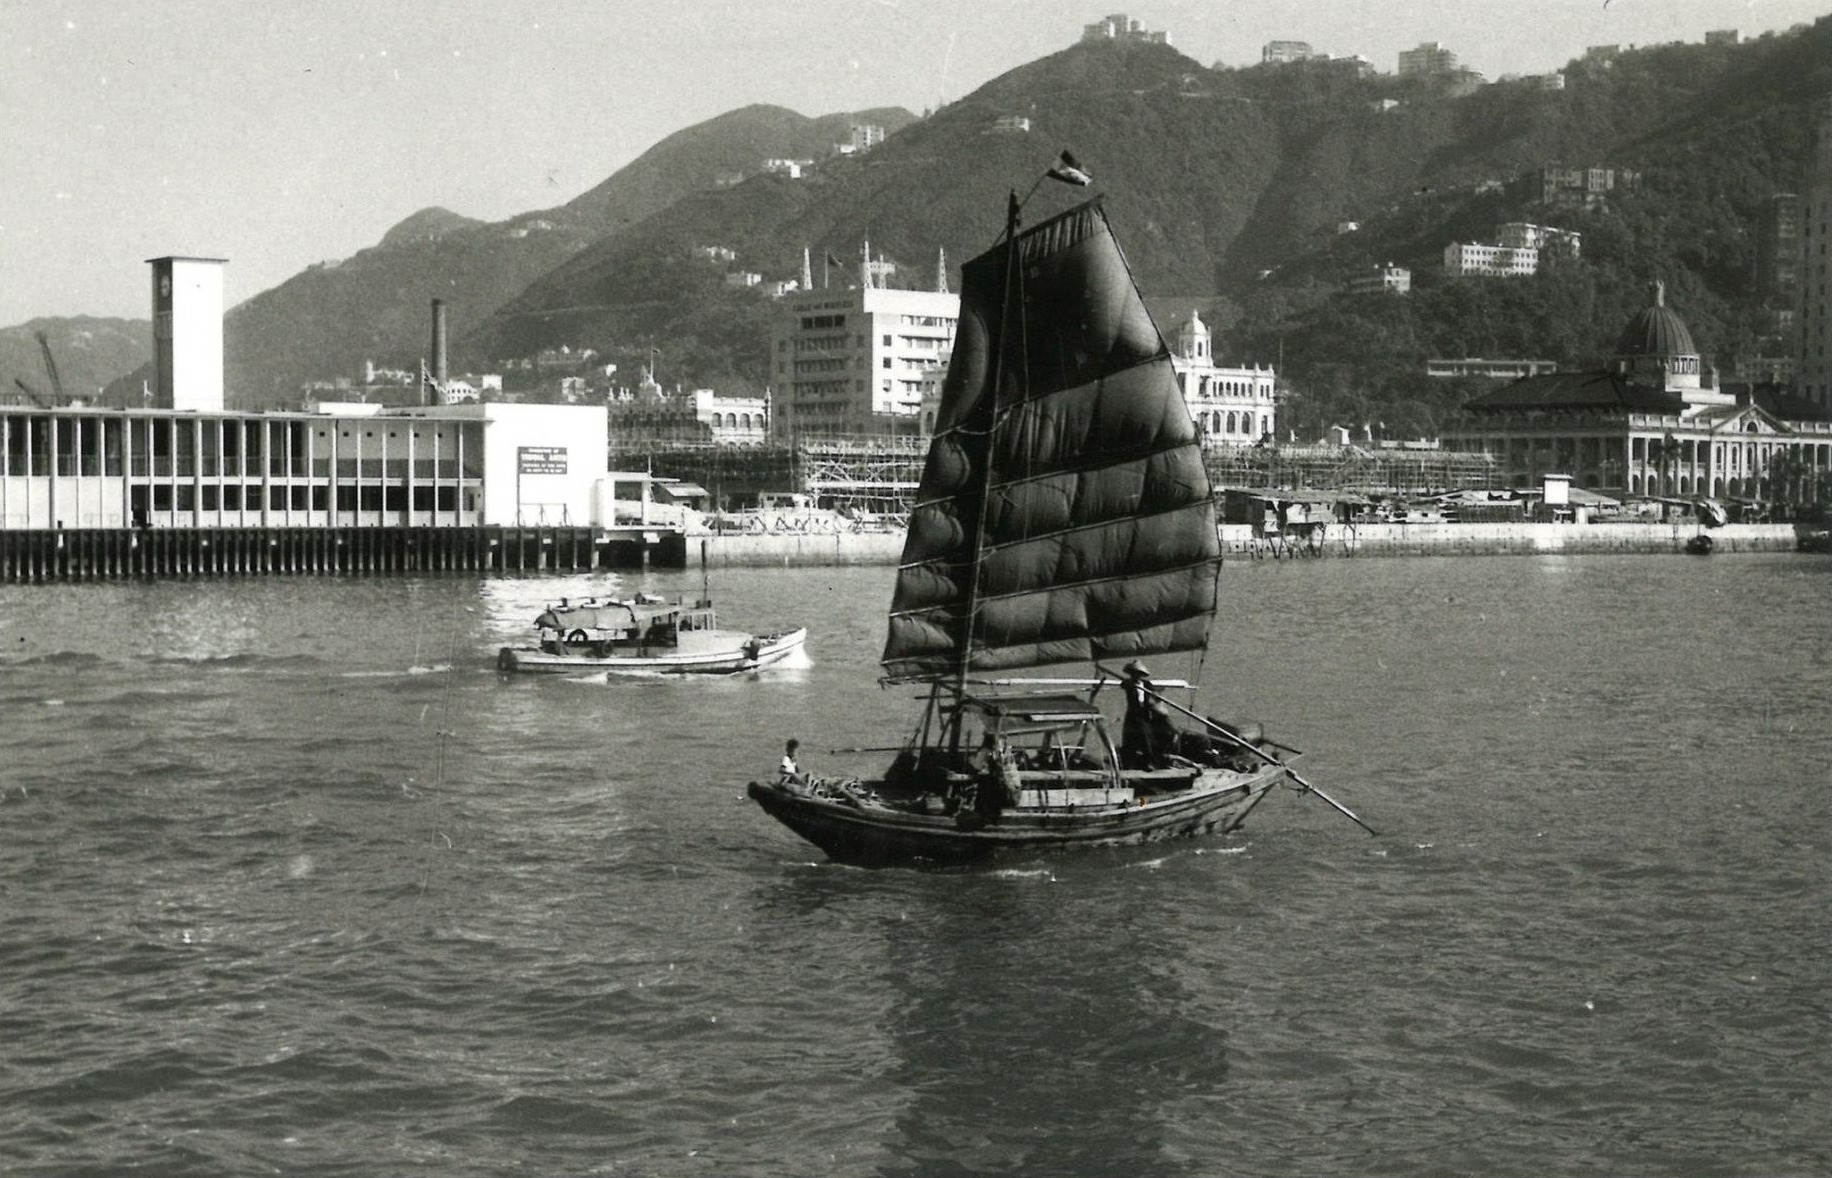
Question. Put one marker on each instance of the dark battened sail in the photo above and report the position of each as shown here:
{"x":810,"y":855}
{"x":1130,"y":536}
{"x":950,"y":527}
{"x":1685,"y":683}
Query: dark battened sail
{"x":1066,"y":515}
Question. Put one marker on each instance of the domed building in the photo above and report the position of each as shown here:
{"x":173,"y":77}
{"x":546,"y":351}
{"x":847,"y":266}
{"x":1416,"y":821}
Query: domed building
{"x":1231,"y":406}
{"x":1653,"y":423}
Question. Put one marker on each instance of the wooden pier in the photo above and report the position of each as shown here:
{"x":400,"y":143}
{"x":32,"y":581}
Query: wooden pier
{"x":111,"y":554}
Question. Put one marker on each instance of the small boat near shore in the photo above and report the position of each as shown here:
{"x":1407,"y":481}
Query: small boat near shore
{"x":646,"y":635}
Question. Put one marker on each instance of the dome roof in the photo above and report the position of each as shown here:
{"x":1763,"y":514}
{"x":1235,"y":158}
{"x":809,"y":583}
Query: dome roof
{"x":1656,"y":331}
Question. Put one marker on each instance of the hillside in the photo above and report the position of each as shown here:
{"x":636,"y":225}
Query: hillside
{"x":699,"y":156}
{"x":89,"y":352}
{"x":1225,"y":186}
{"x":326,"y":320}
{"x":1715,"y":132}
{"x":428,"y":225}
{"x":1213,"y":177}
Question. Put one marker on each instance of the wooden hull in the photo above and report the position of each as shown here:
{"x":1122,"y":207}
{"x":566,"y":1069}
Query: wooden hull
{"x":722,"y":658}
{"x":878,"y":836}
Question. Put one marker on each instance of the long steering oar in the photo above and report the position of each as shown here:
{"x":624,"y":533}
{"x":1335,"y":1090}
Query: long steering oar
{"x":1262,"y":754}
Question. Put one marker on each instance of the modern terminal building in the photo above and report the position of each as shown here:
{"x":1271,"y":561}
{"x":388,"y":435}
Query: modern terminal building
{"x":186,"y":461}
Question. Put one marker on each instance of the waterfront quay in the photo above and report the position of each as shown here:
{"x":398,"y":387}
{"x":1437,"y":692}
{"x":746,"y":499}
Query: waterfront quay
{"x":108,"y":554}
{"x":1240,"y":541}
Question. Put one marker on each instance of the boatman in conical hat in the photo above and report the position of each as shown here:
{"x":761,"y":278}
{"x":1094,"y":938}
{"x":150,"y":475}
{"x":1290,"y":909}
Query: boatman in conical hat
{"x":1141,"y":705}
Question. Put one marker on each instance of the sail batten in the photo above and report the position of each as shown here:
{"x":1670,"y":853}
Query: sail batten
{"x":1064,"y":515}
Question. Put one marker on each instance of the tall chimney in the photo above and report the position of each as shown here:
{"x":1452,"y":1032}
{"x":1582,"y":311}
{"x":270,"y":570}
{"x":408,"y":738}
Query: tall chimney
{"x":439,"y":370}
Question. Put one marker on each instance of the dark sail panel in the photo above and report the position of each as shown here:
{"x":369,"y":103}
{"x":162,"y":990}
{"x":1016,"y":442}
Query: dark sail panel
{"x":1067,"y":518}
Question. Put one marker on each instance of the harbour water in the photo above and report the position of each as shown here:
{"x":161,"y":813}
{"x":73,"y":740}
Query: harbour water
{"x":292,"y":882}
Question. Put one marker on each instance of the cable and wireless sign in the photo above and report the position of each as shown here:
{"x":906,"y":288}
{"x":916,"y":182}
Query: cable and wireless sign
{"x":540,"y":460}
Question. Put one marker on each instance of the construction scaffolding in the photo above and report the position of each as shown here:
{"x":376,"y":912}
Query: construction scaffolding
{"x":878,"y":475}
{"x":1408,"y":471}
{"x":734,"y":476}
{"x":862,"y":476}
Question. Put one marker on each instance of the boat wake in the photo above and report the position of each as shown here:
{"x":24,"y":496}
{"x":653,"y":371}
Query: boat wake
{"x":796,"y":660}
{"x":412,"y":672}
{"x":1042,"y":873}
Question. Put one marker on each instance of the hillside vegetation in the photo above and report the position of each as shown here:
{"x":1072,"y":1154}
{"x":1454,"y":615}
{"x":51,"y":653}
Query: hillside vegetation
{"x":1214,"y":177}
{"x":325,"y":321}
{"x":89,"y":353}
{"x":1715,"y":132}
{"x":1225,"y":187}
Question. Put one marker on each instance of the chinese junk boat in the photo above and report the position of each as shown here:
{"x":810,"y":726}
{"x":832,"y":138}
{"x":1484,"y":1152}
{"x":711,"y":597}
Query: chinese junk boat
{"x":1064,"y":515}
{"x":644,"y":634}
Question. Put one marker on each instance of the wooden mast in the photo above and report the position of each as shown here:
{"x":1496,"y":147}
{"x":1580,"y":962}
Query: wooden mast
{"x":995,"y":376}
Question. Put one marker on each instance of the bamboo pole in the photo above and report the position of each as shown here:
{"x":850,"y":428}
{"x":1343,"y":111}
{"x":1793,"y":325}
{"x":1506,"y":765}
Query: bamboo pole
{"x":1232,"y":738}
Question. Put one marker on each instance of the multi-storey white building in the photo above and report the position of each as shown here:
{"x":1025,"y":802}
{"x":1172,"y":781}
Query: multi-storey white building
{"x":1230,"y":405}
{"x":1584,"y":188}
{"x":1276,"y":51}
{"x":1564,"y":243}
{"x":856,"y":361}
{"x":1387,"y":279}
{"x":1429,"y":58}
{"x":734,"y":421}
{"x":1473,"y":260}
{"x":1120,"y":27}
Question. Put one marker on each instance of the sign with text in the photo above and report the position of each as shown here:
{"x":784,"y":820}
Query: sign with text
{"x":540,"y":459}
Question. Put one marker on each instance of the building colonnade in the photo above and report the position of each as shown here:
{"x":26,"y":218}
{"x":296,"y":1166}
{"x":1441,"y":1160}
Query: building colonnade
{"x":1655,"y":455}
{"x":86,"y":468}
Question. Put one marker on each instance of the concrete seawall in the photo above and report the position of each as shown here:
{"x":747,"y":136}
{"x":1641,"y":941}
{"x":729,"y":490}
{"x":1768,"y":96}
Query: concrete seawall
{"x":1508,"y":539}
{"x":786,"y":550}
{"x":119,"y":553}
{"x":1237,"y":540}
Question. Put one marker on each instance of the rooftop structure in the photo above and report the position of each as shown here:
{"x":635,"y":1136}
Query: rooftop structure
{"x":1474,"y":260}
{"x":1387,"y":279}
{"x":1276,"y":51}
{"x":1120,"y":27}
{"x":1428,"y":59}
{"x":1564,"y":243}
{"x":1583,"y":188}
{"x":1492,"y":369}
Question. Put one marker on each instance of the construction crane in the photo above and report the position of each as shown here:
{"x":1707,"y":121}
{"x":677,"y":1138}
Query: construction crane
{"x":57,"y":384}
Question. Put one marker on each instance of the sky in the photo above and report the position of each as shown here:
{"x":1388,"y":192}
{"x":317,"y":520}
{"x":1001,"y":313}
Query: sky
{"x":279,"y":133}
